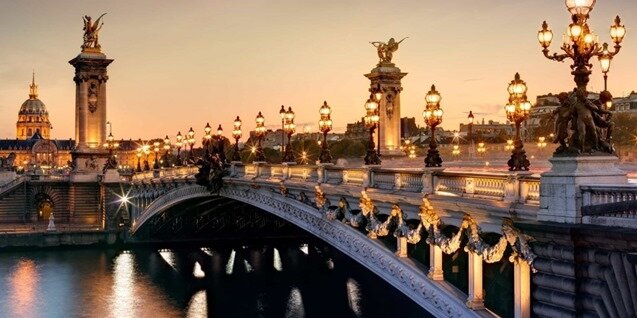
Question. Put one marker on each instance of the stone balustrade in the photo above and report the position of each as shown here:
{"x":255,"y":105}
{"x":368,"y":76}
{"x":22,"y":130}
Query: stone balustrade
{"x":502,"y":186}
{"x":611,"y":205}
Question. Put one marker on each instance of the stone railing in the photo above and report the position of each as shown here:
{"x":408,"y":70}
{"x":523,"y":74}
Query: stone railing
{"x":617,"y":201}
{"x":502,"y":186}
{"x":10,"y":185}
{"x":175,"y":172}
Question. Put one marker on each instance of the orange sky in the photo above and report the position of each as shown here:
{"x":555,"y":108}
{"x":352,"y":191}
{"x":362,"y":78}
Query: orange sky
{"x":181,"y":64}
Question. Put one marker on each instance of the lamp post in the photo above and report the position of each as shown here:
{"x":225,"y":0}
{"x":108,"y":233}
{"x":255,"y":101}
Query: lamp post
{"x":509,"y":145}
{"x":456,"y":151}
{"x":191,"y":143}
{"x":325,"y":126}
{"x":207,"y":137}
{"x":472,"y":146}
{"x":372,"y":120}
{"x":282,"y":114}
{"x":580,"y":43}
{"x":146,"y":150}
{"x":482,"y":148}
{"x":377,"y":95}
{"x":517,"y":111}
{"x":139,"y":158}
{"x":259,"y":132}
{"x":166,"y":151}
{"x":289,"y":127}
{"x":236,"y":134}
{"x":156,"y":150}
{"x":111,"y":144}
{"x":220,"y":145}
{"x":433,"y":118}
{"x":541,"y":143}
{"x":179,"y":143}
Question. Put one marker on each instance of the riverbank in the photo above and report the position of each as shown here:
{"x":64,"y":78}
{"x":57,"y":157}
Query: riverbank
{"x":47,"y":239}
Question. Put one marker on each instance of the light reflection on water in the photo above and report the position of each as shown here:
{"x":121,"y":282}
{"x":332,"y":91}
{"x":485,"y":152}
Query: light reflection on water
{"x":145,"y":282}
{"x":23,"y":285}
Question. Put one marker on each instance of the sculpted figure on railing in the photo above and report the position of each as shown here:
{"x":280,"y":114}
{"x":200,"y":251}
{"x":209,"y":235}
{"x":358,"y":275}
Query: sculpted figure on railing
{"x":398,"y":215}
{"x":370,"y":212}
{"x":589,"y":122}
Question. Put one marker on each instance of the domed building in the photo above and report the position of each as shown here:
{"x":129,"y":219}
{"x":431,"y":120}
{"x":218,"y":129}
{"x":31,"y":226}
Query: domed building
{"x":33,"y":146}
{"x":33,"y":118}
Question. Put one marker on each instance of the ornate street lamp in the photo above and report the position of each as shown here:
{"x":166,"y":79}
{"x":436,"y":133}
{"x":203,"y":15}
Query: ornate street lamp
{"x":289,"y":127}
{"x":191,"y":143}
{"x":472,"y":145}
{"x":517,"y":111}
{"x":541,"y":143}
{"x":433,"y":118}
{"x":325,"y":126}
{"x":482,"y":148}
{"x":372,"y":120}
{"x":282,"y":114}
{"x":236,"y":134}
{"x":156,"y":150}
{"x":179,"y":143}
{"x":581,"y":44}
{"x":139,"y":158}
{"x":207,"y":137}
{"x":509,"y":145}
{"x":146,"y":150}
{"x":111,"y":144}
{"x":456,"y":151}
{"x":259,"y":132}
{"x":166,"y":150}
{"x":220,"y":144}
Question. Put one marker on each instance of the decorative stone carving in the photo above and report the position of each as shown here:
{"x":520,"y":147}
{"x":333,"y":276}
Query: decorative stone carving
{"x":519,"y":243}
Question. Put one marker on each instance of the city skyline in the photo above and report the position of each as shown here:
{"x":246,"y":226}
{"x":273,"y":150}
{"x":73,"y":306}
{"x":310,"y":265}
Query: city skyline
{"x":218,"y":60}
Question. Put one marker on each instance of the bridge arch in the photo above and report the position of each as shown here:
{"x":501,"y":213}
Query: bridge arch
{"x":410,"y":280}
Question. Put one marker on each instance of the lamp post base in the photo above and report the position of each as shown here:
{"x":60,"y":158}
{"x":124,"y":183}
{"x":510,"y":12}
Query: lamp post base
{"x":372,"y":158}
{"x":433,"y":158}
{"x":518,"y":161}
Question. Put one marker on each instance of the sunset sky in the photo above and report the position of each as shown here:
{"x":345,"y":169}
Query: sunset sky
{"x":184,"y":63}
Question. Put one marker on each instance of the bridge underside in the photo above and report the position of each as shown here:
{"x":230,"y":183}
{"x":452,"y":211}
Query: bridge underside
{"x":214,"y":217}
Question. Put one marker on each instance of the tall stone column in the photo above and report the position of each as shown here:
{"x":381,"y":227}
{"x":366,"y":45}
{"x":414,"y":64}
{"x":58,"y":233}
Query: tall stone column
{"x":386,"y":77}
{"x":89,"y":156}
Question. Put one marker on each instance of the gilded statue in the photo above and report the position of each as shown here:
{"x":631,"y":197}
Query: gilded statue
{"x":386,"y":50}
{"x":91,"y":31}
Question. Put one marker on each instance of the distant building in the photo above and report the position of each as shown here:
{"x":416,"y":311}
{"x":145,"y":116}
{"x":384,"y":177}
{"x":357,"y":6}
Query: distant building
{"x":408,"y":127}
{"x":626,"y":104}
{"x":33,"y":146}
{"x":492,"y":131}
{"x":356,"y":130}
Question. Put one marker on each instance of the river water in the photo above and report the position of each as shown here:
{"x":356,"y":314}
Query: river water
{"x":275,"y":280}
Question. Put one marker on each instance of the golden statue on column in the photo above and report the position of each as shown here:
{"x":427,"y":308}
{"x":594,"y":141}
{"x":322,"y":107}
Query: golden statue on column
{"x":91,"y":31}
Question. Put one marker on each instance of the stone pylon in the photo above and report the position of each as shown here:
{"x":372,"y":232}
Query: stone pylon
{"x":386,"y":78}
{"x":90,"y":111}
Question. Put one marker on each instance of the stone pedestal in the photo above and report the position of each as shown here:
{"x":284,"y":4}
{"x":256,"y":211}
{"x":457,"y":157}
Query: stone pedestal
{"x":386,"y":77}
{"x":428,"y":182}
{"x":88,"y":164}
{"x":111,"y":176}
{"x":560,"y":195}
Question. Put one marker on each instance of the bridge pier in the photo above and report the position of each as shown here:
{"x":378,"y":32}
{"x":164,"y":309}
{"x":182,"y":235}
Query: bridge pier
{"x":475,"y":300}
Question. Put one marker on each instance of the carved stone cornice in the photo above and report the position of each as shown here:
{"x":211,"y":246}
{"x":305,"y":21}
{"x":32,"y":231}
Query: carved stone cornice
{"x":408,"y":279}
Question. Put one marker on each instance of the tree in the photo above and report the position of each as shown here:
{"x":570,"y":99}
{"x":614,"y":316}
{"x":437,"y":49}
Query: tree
{"x":624,"y":130}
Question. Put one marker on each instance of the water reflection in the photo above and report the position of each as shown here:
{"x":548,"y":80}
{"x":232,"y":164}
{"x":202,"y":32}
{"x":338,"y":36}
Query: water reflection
{"x":282,"y":280}
{"x":198,"y":306}
{"x":23,"y":285}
